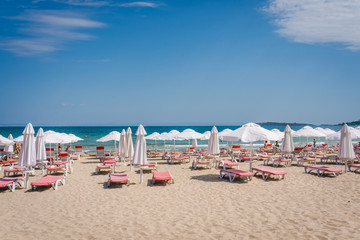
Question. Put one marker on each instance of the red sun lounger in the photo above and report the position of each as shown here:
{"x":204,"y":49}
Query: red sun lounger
{"x":266,"y":172}
{"x":200,"y":162}
{"x":118,"y":178}
{"x":11,"y":182}
{"x":56,"y":169}
{"x":321,"y":170}
{"x":49,"y":180}
{"x":228,"y":163}
{"x":14,"y":171}
{"x":277,"y":161}
{"x":105,"y":167}
{"x":162,"y":176}
{"x":356,"y":166}
{"x":232,"y":173}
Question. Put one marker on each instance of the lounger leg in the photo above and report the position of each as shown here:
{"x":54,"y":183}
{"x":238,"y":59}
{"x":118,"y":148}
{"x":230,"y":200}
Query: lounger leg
{"x":221,"y":175}
{"x":231,"y":177}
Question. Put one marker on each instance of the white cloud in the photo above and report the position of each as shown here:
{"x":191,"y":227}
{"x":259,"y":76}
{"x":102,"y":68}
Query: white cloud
{"x":46,"y":31}
{"x":318,"y":21}
{"x":139,"y":4}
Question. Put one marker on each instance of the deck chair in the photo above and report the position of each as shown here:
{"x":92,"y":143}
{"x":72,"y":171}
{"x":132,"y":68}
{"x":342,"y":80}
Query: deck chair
{"x":322,"y":170}
{"x":266,"y":172}
{"x":11,"y":182}
{"x":118,"y":178}
{"x":233,"y":173}
{"x":49,"y":180}
{"x":162,"y":176}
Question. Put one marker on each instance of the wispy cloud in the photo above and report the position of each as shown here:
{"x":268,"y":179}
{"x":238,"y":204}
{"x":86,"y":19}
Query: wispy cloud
{"x":110,"y":3}
{"x":45,"y":31}
{"x":318,"y":21}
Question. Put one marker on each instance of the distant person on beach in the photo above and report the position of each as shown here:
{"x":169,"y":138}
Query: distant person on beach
{"x":265,"y":144}
{"x":276,"y":144}
{"x":59,"y":148}
{"x":314,"y":142}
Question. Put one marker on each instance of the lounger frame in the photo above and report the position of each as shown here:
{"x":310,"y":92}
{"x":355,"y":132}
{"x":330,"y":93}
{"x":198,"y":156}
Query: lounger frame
{"x":54,"y":184}
{"x":12,"y":185}
{"x":319,"y":171}
{"x":232,"y":176}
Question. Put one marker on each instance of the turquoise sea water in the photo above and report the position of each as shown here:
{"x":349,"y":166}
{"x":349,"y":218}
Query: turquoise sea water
{"x":94,"y":133}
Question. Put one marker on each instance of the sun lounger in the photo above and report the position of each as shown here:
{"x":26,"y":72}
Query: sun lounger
{"x":118,"y":178}
{"x":162,"y":176}
{"x":266,"y":172}
{"x":151,"y":166}
{"x":321,"y":170}
{"x":228,"y":164}
{"x":354,"y":166}
{"x":56,"y":169}
{"x":301,"y":161}
{"x":180,"y":159}
{"x":105,"y":167}
{"x":232,"y":173}
{"x":49,"y":180}
{"x":201,"y":163}
{"x":14,"y":171}
{"x":11,"y":182}
{"x":277,"y":161}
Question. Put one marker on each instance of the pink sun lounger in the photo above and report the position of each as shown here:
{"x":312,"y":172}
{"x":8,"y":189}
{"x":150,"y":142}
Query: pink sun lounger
{"x":321,"y":170}
{"x":301,"y":161}
{"x":232,"y":173}
{"x":49,"y":180}
{"x":56,"y":169}
{"x":277,"y":161}
{"x":14,"y":171}
{"x":356,"y":166}
{"x":201,"y":163}
{"x":105,"y":167}
{"x":151,"y":166}
{"x":11,"y":182}
{"x":229,"y":164}
{"x":118,"y":178}
{"x":266,"y":172}
{"x":162,"y":176}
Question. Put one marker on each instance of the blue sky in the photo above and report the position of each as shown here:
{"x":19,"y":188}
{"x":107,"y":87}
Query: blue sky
{"x":107,"y":62}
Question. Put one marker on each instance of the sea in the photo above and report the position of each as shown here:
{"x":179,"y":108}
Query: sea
{"x":91,"y":133}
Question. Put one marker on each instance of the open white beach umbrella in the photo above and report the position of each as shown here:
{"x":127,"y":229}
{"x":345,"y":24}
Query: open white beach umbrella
{"x":74,"y":138}
{"x":251,"y":132}
{"x":5,"y":141}
{"x":19,"y":139}
{"x":278,"y":132}
{"x":122,"y":144}
{"x":213,"y":144}
{"x":206,"y":135}
{"x":224,"y":132}
{"x":188,"y":134}
{"x":112,"y":136}
{"x":169,"y":136}
{"x":129,"y":144}
{"x":152,"y":136}
{"x":194,"y":143}
{"x":354,"y":134}
{"x":40,"y":146}
{"x":140,"y":157}
{"x":346,"y":149}
{"x":9,"y":148}
{"x":308,"y":131}
{"x":27,"y":156}
{"x":287,"y":144}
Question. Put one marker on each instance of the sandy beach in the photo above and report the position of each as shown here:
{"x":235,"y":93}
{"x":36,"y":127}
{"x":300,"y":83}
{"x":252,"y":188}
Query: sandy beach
{"x":199,"y":205}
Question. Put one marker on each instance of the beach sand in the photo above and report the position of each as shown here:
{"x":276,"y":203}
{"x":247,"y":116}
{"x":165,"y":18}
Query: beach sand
{"x":198,"y":206}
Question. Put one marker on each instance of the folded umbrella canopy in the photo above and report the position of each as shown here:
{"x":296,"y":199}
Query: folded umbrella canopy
{"x":346,"y":149}
{"x":140,"y":156}
{"x":213,"y":144}
{"x":9,"y":148}
{"x":27,"y":156}
{"x":122,"y":144}
{"x":129,"y":144}
{"x":40,"y":146}
{"x":287,"y":145}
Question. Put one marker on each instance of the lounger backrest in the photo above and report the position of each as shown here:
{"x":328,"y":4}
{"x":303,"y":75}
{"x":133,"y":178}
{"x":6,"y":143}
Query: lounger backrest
{"x":64,"y":156}
{"x":236,"y":149}
{"x":100,"y":150}
{"x":50,"y":152}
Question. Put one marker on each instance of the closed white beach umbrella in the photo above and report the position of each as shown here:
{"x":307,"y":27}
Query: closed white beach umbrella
{"x":122,"y":144}
{"x":346,"y":149}
{"x":112,"y":136}
{"x":40,"y":146}
{"x":28,"y":153}
{"x":9,"y":148}
{"x":140,"y":157}
{"x":287,"y":144}
{"x":129,"y":144}
{"x":213,"y":144}
{"x":194,"y":143}
{"x":4,"y":140}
